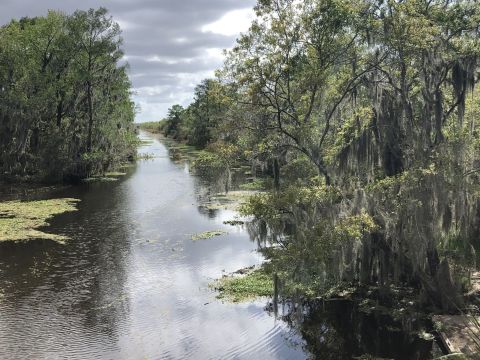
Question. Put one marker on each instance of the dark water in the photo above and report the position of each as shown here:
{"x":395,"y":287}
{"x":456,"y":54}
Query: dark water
{"x":338,"y":330}
{"x":131,"y":284}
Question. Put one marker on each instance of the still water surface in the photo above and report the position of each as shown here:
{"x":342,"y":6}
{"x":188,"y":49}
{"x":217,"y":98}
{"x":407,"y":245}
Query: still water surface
{"x":131,"y":284}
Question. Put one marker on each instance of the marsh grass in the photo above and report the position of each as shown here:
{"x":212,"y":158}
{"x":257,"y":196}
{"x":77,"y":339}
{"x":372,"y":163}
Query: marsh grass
{"x":21,"y":220}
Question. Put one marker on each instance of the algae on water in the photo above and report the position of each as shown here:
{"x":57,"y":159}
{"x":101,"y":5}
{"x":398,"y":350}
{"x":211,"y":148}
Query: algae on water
{"x":20,"y":220}
{"x":208,"y":234}
{"x":234,"y":222}
{"x":115,"y":174}
{"x":107,"y":177}
{"x":228,"y":201}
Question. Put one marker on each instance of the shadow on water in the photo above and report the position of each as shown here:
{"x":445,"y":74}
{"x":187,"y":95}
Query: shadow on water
{"x":337,"y":329}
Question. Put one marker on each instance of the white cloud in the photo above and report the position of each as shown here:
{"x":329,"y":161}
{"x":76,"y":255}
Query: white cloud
{"x":232,"y":23}
{"x":154,"y":101}
{"x":124,"y":24}
{"x":215,"y":54}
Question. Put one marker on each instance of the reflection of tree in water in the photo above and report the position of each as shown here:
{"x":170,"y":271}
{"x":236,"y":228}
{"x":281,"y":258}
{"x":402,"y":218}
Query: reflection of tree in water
{"x":207,"y":186}
{"x":337,"y":330}
{"x":209,"y":183}
{"x":109,"y":253}
{"x":258,"y":232}
{"x":23,"y":267}
{"x":210,"y":178}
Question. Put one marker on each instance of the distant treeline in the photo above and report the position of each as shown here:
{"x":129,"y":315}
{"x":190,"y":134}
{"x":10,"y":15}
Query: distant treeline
{"x":65,"y":107}
{"x":199,"y":123}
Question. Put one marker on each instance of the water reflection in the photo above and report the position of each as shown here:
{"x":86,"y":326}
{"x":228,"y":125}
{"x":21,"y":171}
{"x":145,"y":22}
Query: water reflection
{"x":131,"y":284}
{"x":336,"y":329}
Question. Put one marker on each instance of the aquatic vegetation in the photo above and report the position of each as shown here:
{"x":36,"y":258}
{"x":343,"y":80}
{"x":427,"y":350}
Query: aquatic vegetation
{"x":255,"y":283}
{"x":213,"y":206}
{"x":256,"y":184}
{"x":100,"y":179}
{"x":115,"y":174}
{"x":237,"y":197}
{"x":233,"y":200}
{"x":145,"y":156}
{"x":127,"y":165}
{"x":21,"y":220}
{"x":145,"y":142}
{"x":208,"y":234}
{"x":106,"y":177}
{"x":234,"y":222}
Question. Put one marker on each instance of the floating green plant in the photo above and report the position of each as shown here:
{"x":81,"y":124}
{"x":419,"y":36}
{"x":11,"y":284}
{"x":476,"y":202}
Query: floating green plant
{"x":234,"y":222}
{"x":20,"y":220}
{"x":115,"y":174}
{"x":253,"y":284}
{"x":228,"y":201}
{"x":100,"y":179}
{"x":208,"y":234}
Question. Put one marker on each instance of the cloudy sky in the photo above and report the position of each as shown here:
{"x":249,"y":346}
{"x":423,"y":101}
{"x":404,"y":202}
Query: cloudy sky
{"x":171,"y":45}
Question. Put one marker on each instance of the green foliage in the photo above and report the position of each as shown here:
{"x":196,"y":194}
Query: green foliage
{"x":299,"y":168}
{"x":255,"y":184}
{"x":270,"y":206}
{"x":199,"y":124}
{"x":364,"y":115}
{"x":65,"y":107}
{"x":354,"y":227}
{"x":154,"y":127}
{"x":208,"y":161}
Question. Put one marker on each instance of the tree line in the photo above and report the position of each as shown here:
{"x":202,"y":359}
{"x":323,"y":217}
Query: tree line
{"x":65,"y":106}
{"x":365,"y":113}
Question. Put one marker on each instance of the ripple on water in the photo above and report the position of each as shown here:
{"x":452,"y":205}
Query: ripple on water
{"x":130,"y":284}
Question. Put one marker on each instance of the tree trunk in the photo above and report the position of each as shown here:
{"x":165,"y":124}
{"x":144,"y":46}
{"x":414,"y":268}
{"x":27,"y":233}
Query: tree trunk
{"x":440,"y":289}
{"x":59,"y":112}
{"x":90,"y":116}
